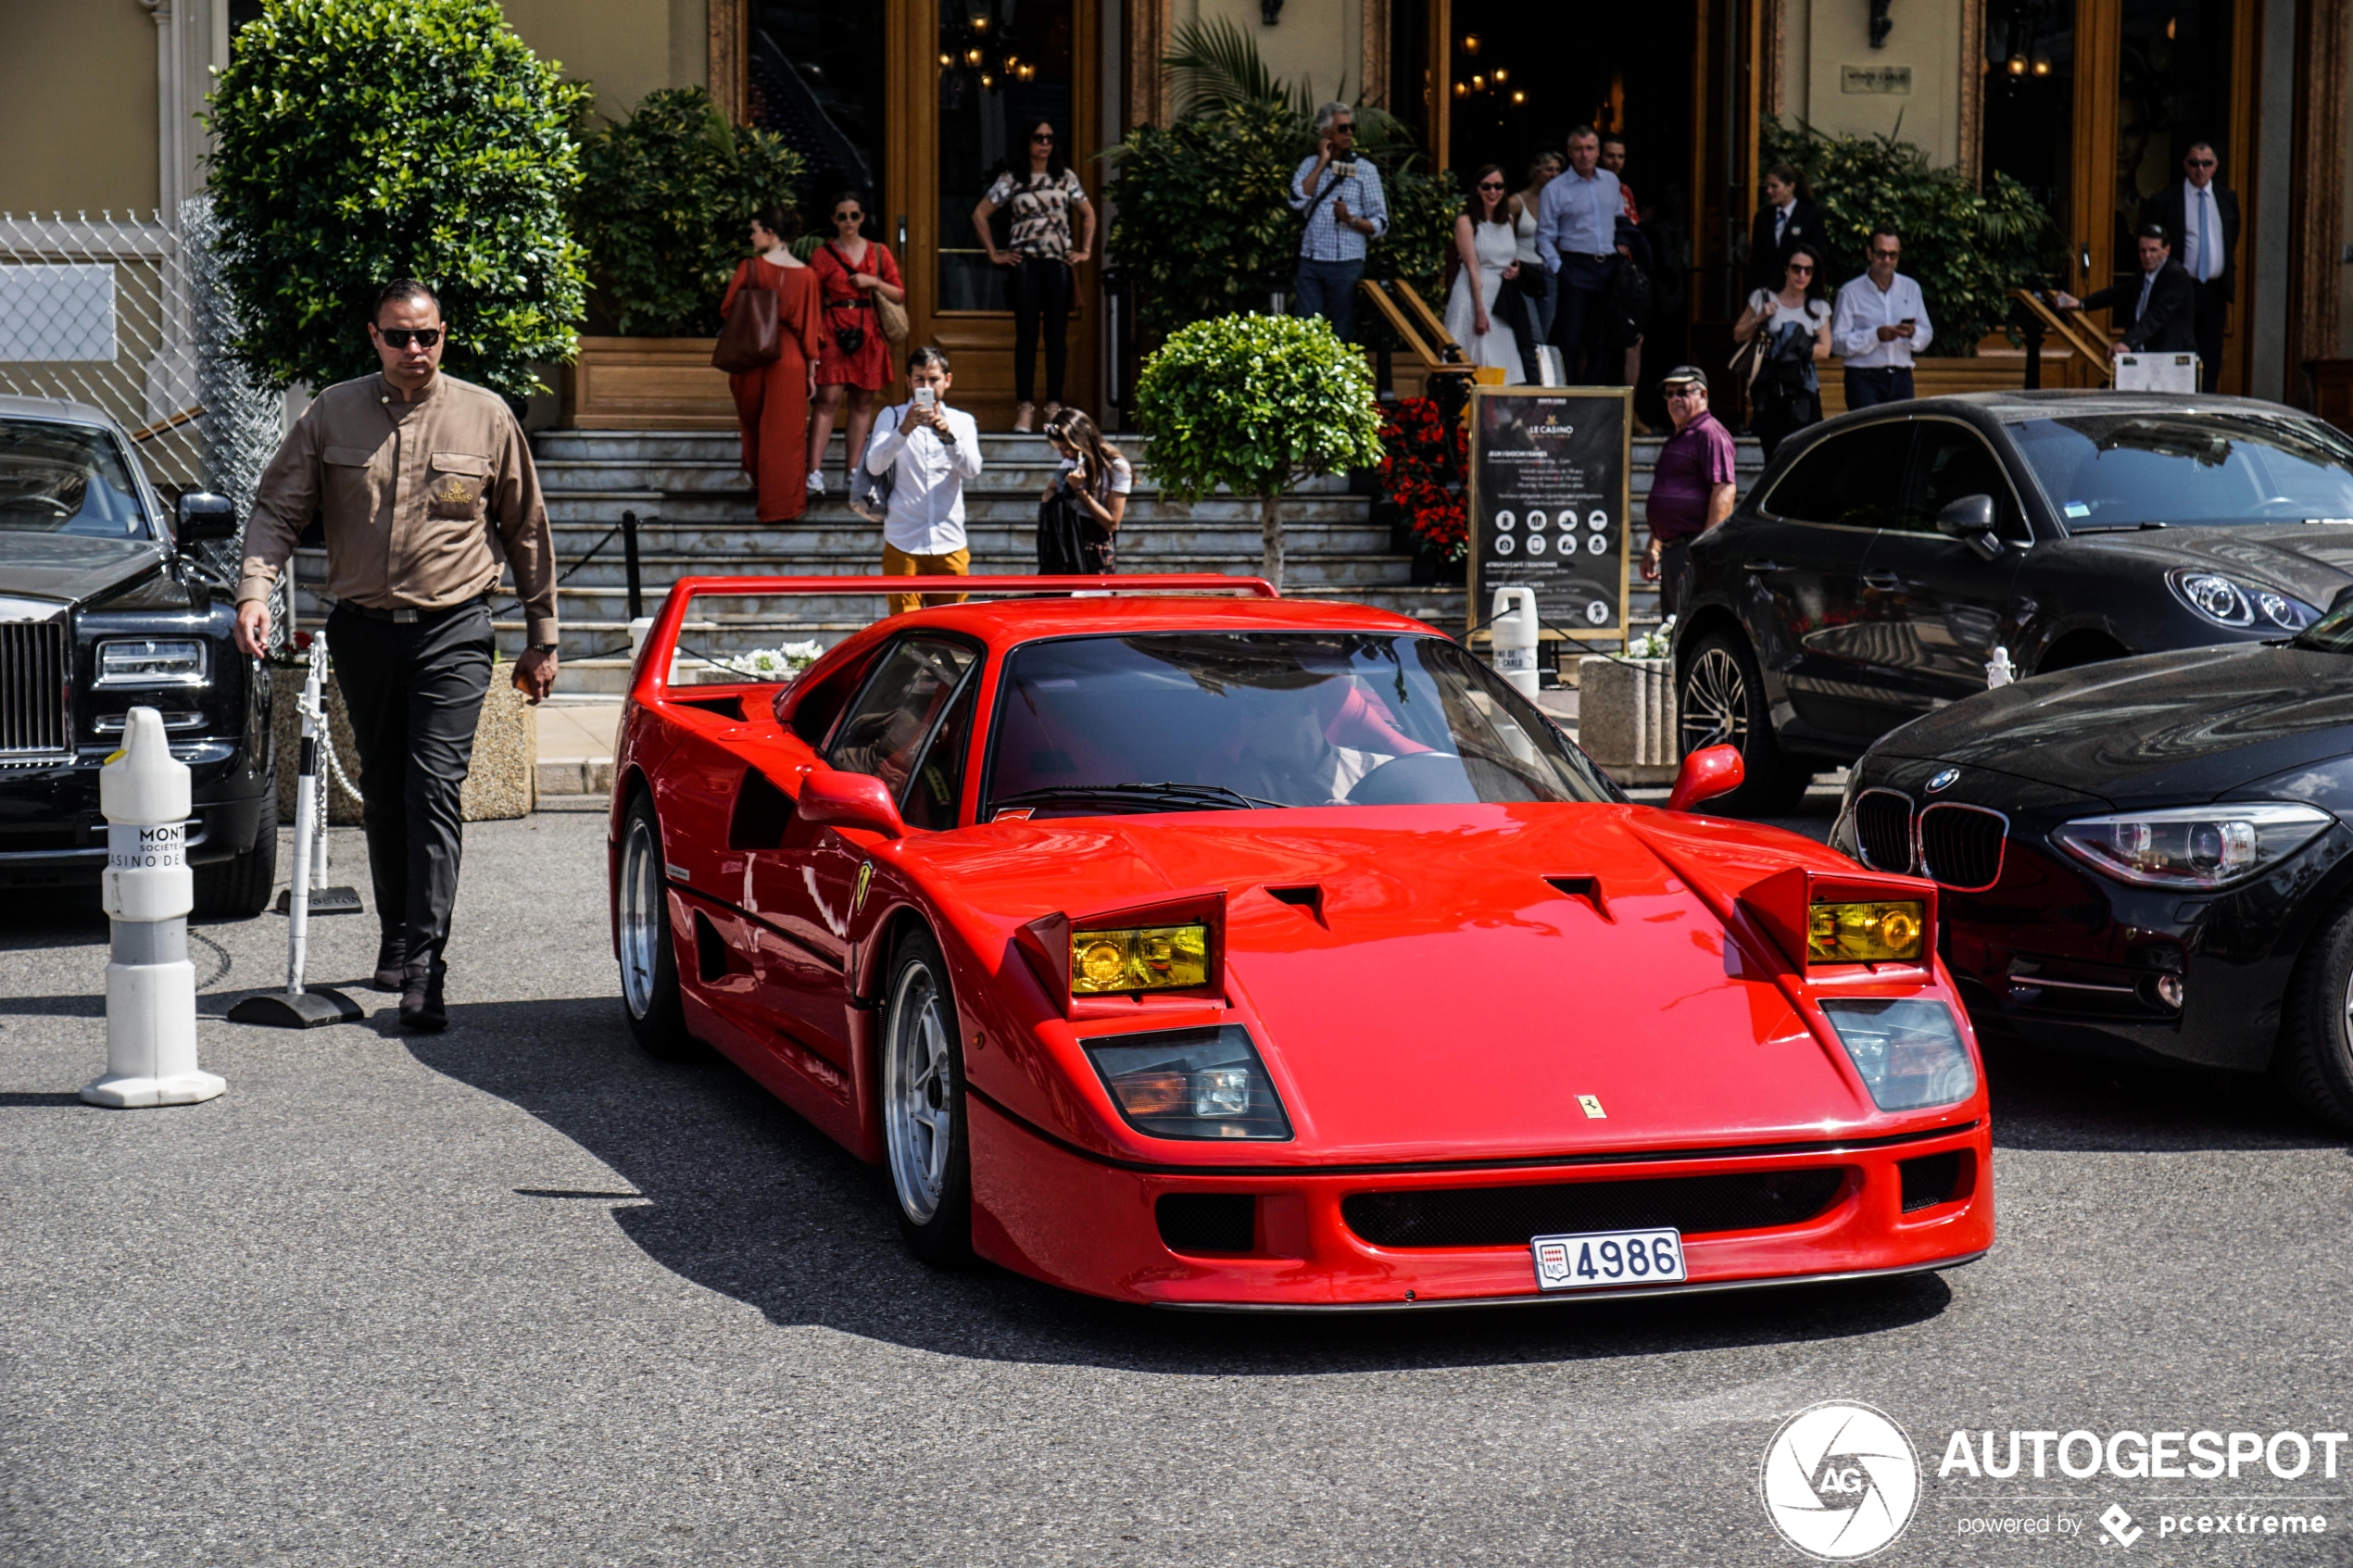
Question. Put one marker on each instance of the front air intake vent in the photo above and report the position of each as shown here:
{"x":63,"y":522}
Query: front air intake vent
{"x":1207,"y":1222}
{"x":1509,"y":1216}
{"x":1961,"y":845}
{"x":36,"y":693}
{"x":1884,"y":830}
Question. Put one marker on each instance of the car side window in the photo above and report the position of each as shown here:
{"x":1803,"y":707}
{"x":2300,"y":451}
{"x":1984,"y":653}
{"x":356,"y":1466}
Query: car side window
{"x":1950,"y":462}
{"x":1854,"y":480}
{"x":897,"y":710}
{"x":936,"y":784}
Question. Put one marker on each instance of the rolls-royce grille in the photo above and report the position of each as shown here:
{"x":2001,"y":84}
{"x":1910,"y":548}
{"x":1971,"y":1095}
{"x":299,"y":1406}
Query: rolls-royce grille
{"x":1508,"y":1216}
{"x":36,"y":702}
{"x":1961,"y":845}
{"x":1883,"y":828}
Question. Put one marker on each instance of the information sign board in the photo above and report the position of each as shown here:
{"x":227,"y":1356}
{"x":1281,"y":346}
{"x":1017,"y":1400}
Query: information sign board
{"x":1547,"y":502}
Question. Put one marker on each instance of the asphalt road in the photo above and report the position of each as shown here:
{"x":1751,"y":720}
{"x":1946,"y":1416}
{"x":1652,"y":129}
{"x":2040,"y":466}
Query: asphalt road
{"x":516,"y":1294}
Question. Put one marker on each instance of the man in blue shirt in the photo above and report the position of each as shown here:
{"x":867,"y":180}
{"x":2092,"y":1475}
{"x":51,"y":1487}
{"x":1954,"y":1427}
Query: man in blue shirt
{"x":1341,"y":197}
{"x":1577,"y":236}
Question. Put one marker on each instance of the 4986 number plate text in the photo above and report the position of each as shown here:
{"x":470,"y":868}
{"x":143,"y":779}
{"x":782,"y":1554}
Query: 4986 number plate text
{"x":1597,"y":1260}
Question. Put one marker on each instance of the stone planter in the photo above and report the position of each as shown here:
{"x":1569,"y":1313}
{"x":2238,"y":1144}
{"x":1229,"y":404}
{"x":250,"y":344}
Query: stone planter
{"x":1626,"y":717}
{"x":646,"y":384}
{"x":500,"y":783}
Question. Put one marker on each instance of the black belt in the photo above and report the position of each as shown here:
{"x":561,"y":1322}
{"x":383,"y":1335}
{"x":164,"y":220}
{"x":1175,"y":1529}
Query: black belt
{"x":406,"y":615}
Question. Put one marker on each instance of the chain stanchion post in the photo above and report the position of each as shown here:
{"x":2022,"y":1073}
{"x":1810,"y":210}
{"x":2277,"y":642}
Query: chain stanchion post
{"x":629,"y":552}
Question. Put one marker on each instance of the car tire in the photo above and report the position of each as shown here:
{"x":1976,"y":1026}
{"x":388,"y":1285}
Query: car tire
{"x":648,"y":958}
{"x":928,"y":1144}
{"x":2314,"y":1063}
{"x":239,"y":887}
{"x":1720,"y":699}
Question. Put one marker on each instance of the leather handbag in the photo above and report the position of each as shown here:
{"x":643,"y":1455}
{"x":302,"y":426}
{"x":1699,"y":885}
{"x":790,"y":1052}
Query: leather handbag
{"x":893,"y":318}
{"x":869,"y":490}
{"x":753,"y":337}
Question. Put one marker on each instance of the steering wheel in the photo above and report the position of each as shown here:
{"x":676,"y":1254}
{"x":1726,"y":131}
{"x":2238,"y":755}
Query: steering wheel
{"x":1419,"y":778}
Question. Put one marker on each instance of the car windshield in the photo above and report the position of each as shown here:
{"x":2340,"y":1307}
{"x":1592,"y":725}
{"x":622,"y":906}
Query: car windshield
{"x":66,"y":479}
{"x":2109,"y":472}
{"x":1203,"y":721}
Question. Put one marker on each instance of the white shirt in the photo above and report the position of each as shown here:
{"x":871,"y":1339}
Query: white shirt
{"x":1780,"y":218}
{"x":1863,"y":309}
{"x":2195,"y":261}
{"x":926,"y":515}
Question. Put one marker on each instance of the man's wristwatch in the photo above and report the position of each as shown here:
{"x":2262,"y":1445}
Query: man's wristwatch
{"x":545,"y":647}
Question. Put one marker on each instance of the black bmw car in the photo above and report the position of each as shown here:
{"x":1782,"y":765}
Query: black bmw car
{"x":1884,"y":558}
{"x":2145,"y":860}
{"x":105,"y":606}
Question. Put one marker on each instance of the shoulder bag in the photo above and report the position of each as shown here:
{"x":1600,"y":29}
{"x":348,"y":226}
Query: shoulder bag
{"x":751,"y":338}
{"x":869,"y":490}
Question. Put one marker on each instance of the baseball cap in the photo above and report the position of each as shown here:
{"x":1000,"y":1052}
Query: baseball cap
{"x":1682,"y":373}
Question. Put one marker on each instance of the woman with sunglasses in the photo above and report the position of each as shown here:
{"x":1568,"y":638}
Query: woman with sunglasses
{"x":772,"y":403}
{"x":1792,"y":330}
{"x":1042,"y":254}
{"x":854,"y":359}
{"x":1487,"y":249}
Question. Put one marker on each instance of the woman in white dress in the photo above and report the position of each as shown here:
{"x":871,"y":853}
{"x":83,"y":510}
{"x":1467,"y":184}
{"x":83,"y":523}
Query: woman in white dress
{"x":1487,"y":241}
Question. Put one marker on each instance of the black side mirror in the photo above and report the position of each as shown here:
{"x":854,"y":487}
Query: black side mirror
{"x":1970,"y":519}
{"x":205,"y":517}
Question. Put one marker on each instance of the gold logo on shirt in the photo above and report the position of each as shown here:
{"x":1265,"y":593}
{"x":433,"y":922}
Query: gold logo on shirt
{"x":455,"y":497}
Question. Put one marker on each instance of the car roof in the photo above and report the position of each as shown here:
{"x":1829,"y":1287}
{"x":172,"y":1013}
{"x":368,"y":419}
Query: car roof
{"x":1003,"y":622}
{"x":2014,"y":405}
{"x":56,"y":409}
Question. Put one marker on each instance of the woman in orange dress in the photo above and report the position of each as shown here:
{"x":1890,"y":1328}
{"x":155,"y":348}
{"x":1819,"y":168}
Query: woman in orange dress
{"x":772,"y":403}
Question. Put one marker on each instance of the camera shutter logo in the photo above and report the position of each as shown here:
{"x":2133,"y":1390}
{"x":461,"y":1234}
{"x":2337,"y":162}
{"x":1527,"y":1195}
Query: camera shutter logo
{"x":1840,"y":1481}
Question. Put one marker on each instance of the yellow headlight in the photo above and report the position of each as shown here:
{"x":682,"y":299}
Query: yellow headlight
{"x":1874,"y":933}
{"x":1152,"y":957}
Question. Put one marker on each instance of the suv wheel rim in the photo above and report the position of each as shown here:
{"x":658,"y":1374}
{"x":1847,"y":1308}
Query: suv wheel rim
{"x":917,"y":1114}
{"x":1715,"y":703}
{"x":640,"y":912}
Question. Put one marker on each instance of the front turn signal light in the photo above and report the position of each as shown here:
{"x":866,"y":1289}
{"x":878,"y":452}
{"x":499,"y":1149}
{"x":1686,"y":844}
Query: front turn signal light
{"x":1148,"y":958}
{"x":1878,"y":931}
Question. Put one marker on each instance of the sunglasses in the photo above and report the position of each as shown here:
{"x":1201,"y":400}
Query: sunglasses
{"x":1801,"y":267}
{"x":2201,"y":163}
{"x":1041,"y":136}
{"x":1675,"y":392}
{"x":847,"y":217}
{"x":1491,"y":184}
{"x":399,"y":337}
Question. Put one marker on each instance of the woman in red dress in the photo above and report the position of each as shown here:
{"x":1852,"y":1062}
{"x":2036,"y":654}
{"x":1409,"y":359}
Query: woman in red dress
{"x":772,"y":403}
{"x":850,"y":271}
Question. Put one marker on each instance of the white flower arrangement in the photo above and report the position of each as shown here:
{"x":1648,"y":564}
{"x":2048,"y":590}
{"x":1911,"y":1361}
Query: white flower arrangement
{"x":781,"y":664}
{"x":1656,"y":643}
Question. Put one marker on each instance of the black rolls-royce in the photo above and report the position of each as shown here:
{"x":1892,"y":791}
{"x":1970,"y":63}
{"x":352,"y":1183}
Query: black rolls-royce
{"x":1885,"y":554}
{"x":106,"y":604}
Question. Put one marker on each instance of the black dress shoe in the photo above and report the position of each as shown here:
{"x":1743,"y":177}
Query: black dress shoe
{"x":391,"y":964}
{"x":421,"y":1006}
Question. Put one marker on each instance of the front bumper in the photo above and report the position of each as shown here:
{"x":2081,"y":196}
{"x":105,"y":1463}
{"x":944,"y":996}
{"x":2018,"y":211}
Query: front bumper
{"x":52,"y":832}
{"x":1067,"y":1218}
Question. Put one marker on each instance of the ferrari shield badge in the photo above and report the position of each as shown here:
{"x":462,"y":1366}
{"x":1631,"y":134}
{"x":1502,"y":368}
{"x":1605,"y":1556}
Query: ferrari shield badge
{"x":1592,"y":1106}
{"x":865,"y":876}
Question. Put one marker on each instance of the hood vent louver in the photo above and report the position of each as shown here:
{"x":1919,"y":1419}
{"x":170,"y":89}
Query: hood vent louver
{"x":1308,"y":897}
{"x":1589,"y":888}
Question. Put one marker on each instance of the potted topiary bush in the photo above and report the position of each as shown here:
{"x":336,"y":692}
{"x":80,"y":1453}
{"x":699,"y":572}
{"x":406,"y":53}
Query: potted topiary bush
{"x":664,"y":197}
{"x":1256,"y":403}
{"x":361,"y":141}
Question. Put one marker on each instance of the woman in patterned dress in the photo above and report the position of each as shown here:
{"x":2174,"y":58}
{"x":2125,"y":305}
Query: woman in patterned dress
{"x":772,"y":403}
{"x":852,"y":270}
{"x":1043,"y":254}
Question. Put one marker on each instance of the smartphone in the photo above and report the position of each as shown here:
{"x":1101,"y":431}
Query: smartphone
{"x":925,"y":397}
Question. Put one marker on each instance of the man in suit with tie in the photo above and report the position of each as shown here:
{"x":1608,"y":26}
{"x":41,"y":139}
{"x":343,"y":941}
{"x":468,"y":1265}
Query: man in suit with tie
{"x":2164,"y":303}
{"x":2207,"y":218}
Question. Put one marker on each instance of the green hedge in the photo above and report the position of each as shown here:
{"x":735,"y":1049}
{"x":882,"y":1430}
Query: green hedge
{"x":361,"y":141}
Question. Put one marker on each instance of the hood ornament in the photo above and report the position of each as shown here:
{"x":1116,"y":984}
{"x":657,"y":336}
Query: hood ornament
{"x":1944,"y":781}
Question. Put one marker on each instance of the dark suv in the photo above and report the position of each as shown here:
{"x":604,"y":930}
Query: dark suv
{"x":1885,"y":554}
{"x":103,"y":607}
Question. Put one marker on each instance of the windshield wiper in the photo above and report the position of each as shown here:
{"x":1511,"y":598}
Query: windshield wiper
{"x":2115,"y":528}
{"x":1183,"y":796}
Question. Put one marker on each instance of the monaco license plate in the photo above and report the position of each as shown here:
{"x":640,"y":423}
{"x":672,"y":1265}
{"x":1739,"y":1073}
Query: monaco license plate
{"x":1597,"y":1260}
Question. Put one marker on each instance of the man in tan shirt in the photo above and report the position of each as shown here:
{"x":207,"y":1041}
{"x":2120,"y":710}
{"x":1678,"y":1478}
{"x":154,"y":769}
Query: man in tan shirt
{"x":423,"y":485}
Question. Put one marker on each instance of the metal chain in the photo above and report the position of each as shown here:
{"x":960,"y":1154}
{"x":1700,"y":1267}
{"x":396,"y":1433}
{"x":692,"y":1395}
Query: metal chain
{"x":335,"y":763}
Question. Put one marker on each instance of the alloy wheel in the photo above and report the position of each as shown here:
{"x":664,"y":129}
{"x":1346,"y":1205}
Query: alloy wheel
{"x":641,"y":912}
{"x":918,"y":1113}
{"x":1714,"y":702}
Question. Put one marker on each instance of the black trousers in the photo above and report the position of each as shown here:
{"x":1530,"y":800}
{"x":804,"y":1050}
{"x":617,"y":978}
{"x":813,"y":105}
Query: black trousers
{"x":414,"y":692}
{"x":1041,"y":299}
{"x":1883,"y":383}
{"x":1582,"y":287}
{"x":2212,"y":315}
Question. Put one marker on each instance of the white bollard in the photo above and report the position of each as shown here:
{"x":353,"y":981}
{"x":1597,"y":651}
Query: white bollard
{"x":1999,"y":671}
{"x":148,"y":890}
{"x":1513,"y":629}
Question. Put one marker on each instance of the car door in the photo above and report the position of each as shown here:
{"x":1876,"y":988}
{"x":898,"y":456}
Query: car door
{"x":1802,"y":574}
{"x":809,"y":886}
{"x":1943,"y":606}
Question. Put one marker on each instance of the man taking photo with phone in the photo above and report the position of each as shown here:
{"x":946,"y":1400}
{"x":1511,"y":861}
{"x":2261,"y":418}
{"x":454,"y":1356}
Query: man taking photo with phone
{"x":1880,"y":323}
{"x":929,"y":451}
{"x":421,"y":483}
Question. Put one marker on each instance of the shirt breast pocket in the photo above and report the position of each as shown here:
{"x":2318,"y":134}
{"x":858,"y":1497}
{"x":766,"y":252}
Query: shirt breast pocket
{"x":347,"y":491}
{"x":455,"y":486}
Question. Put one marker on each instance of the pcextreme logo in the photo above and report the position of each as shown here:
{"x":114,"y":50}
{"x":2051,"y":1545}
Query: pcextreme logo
{"x":1840,"y":1481}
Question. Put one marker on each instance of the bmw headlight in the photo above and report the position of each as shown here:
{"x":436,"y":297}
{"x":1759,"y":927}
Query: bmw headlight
{"x":1909,"y":1053}
{"x":1191,"y":1083}
{"x":2191,"y":846}
{"x":2227,"y":602}
{"x":151,"y":662}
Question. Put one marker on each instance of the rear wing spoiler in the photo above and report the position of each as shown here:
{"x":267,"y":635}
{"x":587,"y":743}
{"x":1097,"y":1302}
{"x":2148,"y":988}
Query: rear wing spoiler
{"x":649,"y":681}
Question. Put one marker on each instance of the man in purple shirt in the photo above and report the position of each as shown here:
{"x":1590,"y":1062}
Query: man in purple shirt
{"x":1692,"y":487}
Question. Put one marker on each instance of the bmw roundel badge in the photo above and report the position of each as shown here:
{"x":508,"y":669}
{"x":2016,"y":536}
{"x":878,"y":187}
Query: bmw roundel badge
{"x":1943,"y":781}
